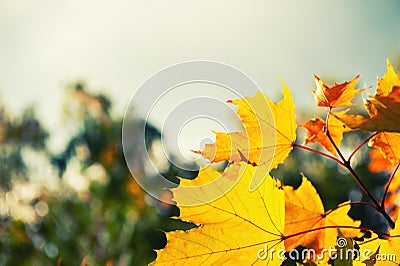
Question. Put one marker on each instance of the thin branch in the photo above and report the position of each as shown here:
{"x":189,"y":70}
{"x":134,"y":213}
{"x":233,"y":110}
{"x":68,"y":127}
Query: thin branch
{"x":328,"y":134}
{"x":346,"y":164}
{"x":369,"y":204}
{"x":370,"y":196}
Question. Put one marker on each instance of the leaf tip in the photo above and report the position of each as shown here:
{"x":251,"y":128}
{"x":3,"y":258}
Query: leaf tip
{"x":388,"y":64}
{"x":196,"y":151}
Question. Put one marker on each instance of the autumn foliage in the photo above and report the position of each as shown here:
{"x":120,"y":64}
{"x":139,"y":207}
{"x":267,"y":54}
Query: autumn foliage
{"x":260,"y":210}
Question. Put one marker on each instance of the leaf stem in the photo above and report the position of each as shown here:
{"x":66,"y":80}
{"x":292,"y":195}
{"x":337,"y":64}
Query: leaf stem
{"x":318,"y":152}
{"x":328,"y":134}
{"x":361,"y":145}
{"x":335,"y":227}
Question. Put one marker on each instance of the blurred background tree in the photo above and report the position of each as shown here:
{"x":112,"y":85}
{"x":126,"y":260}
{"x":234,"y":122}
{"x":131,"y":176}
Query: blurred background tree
{"x":81,"y":204}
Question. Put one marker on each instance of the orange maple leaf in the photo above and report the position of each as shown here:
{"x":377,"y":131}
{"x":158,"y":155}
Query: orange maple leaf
{"x":391,"y":205}
{"x":337,"y":95}
{"x":392,"y":200}
{"x":395,"y":184}
{"x":378,"y":162}
{"x":305,"y":212}
{"x":316,"y":131}
{"x":385,"y":154}
{"x":388,"y":144}
{"x":384,"y":112}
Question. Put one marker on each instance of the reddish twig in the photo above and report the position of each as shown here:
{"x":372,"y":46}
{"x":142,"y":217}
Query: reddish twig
{"x":347,"y":165}
{"x":361,"y":145}
{"x":318,"y":152}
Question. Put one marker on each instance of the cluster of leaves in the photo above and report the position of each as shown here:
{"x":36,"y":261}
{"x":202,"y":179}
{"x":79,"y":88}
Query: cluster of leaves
{"x":260,"y":210}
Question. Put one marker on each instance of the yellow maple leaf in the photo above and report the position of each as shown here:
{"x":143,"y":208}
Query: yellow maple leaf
{"x":388,"y":249}
{"x":268,"y":135}
{"x":389,"y":80}
{"x":316,"y":133}
{"x":305,"y":213}
{"x":257,"y":120}
{"x":231,"y":229}
{"x":337,"y":95}
{"x":383,"y":108}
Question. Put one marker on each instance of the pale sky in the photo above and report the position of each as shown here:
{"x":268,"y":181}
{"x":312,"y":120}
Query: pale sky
{"x":116,"y":45}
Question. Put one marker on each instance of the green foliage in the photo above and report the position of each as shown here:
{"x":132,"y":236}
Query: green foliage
{"x":105,"y":219}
